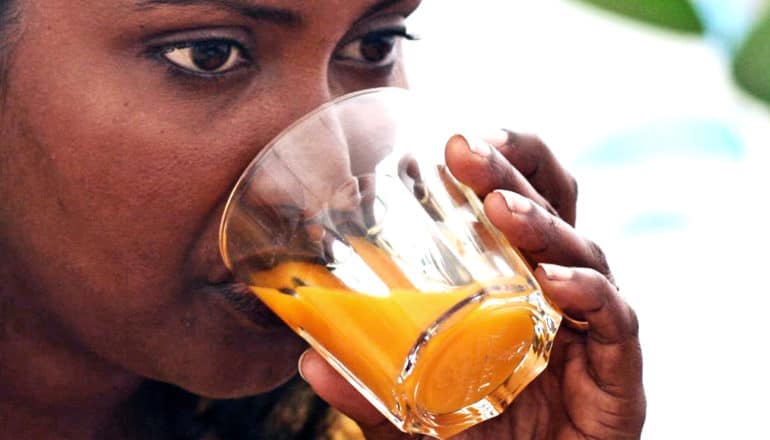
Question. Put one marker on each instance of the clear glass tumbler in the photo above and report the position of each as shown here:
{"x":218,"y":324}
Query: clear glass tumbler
{"x":351,"y":229}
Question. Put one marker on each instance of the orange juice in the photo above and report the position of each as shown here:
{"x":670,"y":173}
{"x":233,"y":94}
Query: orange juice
{"x":351,"y":228}
{"x":432,"y":353}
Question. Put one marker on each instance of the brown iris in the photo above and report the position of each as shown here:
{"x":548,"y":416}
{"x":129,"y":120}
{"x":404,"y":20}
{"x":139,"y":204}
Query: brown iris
{"x":376,"y":48}
{"x":211,"y":55}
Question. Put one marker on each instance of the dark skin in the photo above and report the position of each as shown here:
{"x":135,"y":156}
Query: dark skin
{"x":117,"y":154}
{"x":592,"y":387}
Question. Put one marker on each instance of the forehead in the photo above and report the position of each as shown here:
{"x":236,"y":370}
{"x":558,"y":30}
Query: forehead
{"x":125,"y":21}
{"x":90,"y":13}
{"x":249,"y":6}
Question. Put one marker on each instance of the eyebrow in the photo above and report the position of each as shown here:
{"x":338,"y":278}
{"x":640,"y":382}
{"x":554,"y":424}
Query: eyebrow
{"x":276,"y":15}
{"x":379,"y":6}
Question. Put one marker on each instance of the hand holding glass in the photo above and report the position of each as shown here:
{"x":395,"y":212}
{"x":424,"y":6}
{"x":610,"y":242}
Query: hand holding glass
{"x":351,"y":229}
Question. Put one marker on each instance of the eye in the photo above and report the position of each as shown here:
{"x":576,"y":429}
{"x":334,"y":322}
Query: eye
{"x":206,"y":57}
{"x":377,"y":48}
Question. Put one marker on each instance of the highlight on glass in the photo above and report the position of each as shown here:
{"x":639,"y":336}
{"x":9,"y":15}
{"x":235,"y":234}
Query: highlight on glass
{"x":352,"y":230}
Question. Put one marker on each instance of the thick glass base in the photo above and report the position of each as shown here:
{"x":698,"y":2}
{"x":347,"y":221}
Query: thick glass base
{"x":468,"y":366}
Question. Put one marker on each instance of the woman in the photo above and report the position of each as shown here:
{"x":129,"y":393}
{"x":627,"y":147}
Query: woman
{"x":123,"y":125}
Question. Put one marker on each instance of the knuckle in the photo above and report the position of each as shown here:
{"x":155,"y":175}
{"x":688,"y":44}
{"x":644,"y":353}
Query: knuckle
{"x":553,"y":226}
{"x":599,"y":260}
{"x":572,"y":192}
{"x":595,"y":279}
{"x":549,"y":228}
{"x":536,"y":149}
{"x":564,"y":195}
{"x":633,"y":321}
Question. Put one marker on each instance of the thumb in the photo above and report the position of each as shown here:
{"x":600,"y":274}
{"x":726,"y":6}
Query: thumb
{"x":337,"y":392}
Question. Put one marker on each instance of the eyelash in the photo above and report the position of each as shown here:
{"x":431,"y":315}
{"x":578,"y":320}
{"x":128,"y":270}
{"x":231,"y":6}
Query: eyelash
{"x":396,"y":32}
{"x":161,"y":53}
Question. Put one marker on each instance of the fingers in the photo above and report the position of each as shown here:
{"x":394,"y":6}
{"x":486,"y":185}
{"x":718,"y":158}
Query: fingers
{"x":589,"y":295}
{"x":613,"y":343}
{"x":522,"y":164}
{"x":540,"y":167}
{"x":602,"y":385}
{"x":541,"y":235}
{"x":484,"y":169}
{"x":337,"y":392}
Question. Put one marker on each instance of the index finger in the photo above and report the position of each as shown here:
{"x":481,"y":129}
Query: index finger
{"x":537,"y":163}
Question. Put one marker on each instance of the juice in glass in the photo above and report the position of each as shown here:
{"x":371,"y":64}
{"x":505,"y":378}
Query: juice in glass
{"x":351,"y":228}
{"x":447,"y":355}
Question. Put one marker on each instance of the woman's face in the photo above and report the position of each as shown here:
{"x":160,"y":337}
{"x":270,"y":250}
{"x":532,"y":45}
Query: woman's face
{"x":124,"y":126}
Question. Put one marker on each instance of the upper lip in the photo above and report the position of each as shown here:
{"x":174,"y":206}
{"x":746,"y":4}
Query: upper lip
{"x":220,"y":274}
{"x":241,"y":299}
{"x":239,"y":296}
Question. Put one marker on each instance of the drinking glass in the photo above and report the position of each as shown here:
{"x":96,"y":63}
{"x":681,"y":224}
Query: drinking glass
{"x":351,"y":228}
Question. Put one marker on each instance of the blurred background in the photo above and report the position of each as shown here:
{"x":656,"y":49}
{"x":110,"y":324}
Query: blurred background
{"x":661,"y":109}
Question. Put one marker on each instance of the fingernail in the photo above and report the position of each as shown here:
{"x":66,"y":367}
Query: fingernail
{"x":478,"y":146}
{"x":556,"y":273}
{"x":299,"y":364}
{"x":498,"y":138}
{"x":516,"y":203}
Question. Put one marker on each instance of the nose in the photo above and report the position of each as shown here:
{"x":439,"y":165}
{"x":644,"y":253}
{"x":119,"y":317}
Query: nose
{"x":292,"y":91}
{"x":308,"y":88}
{"x":305,"y":98}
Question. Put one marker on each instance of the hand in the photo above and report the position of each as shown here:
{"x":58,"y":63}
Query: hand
{"x":592,"y":387}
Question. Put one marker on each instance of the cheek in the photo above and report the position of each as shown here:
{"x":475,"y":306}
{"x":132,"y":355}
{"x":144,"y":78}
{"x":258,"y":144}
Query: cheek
{"x":344,"y":80}
{"x":111,"y":186}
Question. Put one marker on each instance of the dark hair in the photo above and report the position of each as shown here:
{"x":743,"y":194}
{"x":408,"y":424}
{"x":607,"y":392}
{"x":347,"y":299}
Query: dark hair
{"x":9,"y":15}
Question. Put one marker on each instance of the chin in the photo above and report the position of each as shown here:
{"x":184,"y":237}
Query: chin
{"x":249,"y":372}
{"x":226,"y":348}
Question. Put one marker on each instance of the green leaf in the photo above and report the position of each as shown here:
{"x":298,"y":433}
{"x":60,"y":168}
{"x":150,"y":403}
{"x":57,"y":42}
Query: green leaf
{"x":751,"y":65}
{"x":672,"y":14}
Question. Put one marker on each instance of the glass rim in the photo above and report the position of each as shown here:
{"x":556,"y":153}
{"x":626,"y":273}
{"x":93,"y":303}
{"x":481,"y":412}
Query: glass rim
{"x":277,"y":138}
